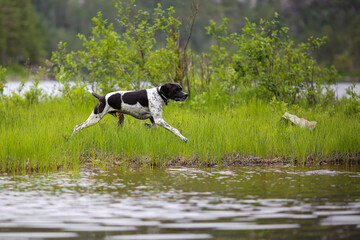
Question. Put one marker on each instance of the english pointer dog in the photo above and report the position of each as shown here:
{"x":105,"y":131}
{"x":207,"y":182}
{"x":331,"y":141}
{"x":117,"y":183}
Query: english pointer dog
{"x":142,"y":104}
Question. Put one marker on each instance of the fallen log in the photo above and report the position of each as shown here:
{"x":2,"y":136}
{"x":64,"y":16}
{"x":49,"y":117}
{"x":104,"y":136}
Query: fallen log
{"x":299,"y":121}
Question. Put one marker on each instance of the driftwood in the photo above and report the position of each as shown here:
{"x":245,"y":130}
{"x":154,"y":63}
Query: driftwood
{"x":299,"y":121}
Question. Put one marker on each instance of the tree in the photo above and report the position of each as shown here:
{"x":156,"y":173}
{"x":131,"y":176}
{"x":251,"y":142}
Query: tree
{"x":21,"y":35}
{"x":145,"y":49}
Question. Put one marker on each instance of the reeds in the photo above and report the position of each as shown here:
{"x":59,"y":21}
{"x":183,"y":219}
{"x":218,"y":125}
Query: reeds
{"x":39,"y":137}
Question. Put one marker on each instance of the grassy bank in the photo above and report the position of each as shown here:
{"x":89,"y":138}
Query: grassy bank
{"x":38,"y":137}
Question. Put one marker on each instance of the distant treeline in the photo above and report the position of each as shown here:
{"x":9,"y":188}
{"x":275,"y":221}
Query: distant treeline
{"x":30,"y":30}
{"x":22,"y":35}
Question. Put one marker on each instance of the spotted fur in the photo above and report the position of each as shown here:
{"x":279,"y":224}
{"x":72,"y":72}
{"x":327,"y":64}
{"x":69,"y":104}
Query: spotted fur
{"x":143,"y":104}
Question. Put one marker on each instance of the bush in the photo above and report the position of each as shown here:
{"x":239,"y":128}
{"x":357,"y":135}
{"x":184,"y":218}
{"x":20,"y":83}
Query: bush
{"x":112,"y":60}
{"x":353,"y":103}
{"x":264,"y":57}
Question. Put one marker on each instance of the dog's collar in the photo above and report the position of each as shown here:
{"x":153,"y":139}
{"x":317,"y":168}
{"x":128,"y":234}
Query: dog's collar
{"x":166,"y":101}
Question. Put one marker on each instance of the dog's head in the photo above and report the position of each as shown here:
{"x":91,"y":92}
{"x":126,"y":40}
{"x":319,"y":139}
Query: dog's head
{"x":173,"y":91}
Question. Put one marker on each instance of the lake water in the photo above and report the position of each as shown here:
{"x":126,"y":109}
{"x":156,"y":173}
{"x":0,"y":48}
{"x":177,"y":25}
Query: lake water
{"x":182,"y":203}
{"x":50,"y":87}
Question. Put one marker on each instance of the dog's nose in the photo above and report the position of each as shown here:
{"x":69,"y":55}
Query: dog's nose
{"x":186,"y":95}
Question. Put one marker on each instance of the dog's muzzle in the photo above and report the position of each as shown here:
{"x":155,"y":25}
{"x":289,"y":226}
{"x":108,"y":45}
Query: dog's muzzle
{"x":183,"y":98}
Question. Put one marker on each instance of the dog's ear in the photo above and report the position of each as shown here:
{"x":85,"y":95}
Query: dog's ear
{"x":165,"y":89}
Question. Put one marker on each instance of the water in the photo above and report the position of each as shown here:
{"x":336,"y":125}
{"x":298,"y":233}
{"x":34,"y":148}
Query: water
{"x":50,"y":87}
{"x":182,"y":203}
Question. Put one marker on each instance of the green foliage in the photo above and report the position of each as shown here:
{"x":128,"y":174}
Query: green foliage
{"x":219,"y":71}
{"x":264,"y":57}
{"x":199,"y":102}
{"x":149,"y":61}
{"x":20,"y":97}
{"x":34,"y":94}
{"x":2,"y":79}
{"x":112,"y":60}
{"x":66,"y":69}
{"x":336,"y":19}
{"x":16,"y":97}
{"x":333,"y":18}
{"x":279,"y":107}
{"x":353,"y":103}
{"x":21,"y":35}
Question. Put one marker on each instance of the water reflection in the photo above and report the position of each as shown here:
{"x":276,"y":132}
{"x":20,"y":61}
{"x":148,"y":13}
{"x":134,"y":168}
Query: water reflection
{"x":182,"y":203}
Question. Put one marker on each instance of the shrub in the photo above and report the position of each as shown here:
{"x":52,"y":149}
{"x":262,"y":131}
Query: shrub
{"x":263,"y":56}
{"x":112,"y":60}
{"x":353,"y":103}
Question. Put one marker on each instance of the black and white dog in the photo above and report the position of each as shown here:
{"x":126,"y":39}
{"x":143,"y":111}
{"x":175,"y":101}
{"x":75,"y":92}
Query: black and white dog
{"x":142,"y":104}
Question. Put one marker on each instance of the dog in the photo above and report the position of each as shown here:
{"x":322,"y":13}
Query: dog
{"x":142,"y":104}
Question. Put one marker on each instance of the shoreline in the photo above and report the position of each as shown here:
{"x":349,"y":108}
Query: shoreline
{"x":228,"y":160}
{"x":113,"y":162}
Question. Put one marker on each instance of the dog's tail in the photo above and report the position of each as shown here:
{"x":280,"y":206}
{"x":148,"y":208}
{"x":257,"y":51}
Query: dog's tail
{"x":94,"y":94}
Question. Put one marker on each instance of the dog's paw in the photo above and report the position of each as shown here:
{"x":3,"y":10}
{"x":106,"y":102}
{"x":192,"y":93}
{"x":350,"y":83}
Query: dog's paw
{"x":148,"y":125}
{"x":184,"y":139}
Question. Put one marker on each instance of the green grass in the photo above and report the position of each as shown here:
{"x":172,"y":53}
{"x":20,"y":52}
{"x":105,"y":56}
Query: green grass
{"x":38,"y":137}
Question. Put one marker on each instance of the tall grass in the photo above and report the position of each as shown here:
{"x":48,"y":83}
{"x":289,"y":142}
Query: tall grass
{"x":38,"y":137}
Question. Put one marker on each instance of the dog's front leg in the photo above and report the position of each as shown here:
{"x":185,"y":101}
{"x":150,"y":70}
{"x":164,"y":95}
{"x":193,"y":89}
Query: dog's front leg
{"x":161,"y":122}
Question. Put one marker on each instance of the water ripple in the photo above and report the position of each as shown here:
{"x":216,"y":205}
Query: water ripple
{"x":165,"y":203}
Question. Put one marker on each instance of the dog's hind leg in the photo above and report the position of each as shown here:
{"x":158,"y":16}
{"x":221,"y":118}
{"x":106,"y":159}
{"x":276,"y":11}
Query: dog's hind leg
{"x":152,"y":125}
{"x":97,"y":114}
{"x":119,"y":116}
